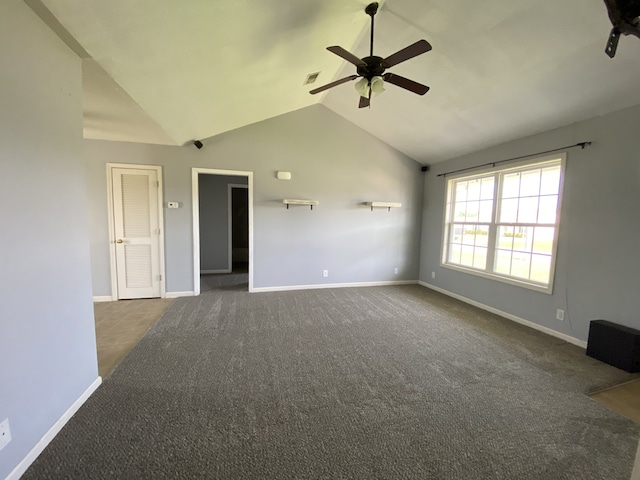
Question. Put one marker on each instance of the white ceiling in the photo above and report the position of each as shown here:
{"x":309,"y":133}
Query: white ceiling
{"x":168,"y":72}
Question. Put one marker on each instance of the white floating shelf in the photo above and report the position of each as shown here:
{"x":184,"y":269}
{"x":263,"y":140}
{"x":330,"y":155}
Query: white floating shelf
{"x":293,"y":201}
{"x":388,"y":205}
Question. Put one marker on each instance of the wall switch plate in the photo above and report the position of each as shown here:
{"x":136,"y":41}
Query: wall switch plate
{"x":325,"y":273}
{"x":560,"y":314}
{"x":173,"y":204}
{"x":433,"y":274}
{"x":5,"y":433}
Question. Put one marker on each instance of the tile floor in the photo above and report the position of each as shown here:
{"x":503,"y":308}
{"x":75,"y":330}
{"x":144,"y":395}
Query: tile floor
{"x":120,"y":326}
{"x":624,"y":399}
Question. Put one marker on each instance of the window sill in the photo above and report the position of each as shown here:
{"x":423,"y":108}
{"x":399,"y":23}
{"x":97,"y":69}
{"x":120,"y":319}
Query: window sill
{"x":510,"y":281}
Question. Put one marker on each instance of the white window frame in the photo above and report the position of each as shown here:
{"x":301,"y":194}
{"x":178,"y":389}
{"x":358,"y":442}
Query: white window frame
{"x":498,"y":172}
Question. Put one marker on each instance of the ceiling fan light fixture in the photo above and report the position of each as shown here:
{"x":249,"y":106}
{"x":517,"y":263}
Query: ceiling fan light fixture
{"x":376,"y":85}
{"x":362,"y":87}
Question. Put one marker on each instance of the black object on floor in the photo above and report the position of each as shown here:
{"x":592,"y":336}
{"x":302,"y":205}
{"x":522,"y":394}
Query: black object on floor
{"x":614,"y":344}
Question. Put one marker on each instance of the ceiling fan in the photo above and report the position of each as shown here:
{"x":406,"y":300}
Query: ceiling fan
{"x":372,"y":68}
{"x":625,"y":18}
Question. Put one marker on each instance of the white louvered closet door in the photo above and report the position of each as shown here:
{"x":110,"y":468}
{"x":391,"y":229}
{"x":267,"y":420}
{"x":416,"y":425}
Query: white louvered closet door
{"x":135,"y":213}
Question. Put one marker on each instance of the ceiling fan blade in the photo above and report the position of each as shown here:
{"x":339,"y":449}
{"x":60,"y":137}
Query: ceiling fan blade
{"x":405,"y":83}
{"x":348,"y":56}
{"x":333,"y":84}
{"x":418,"y":48}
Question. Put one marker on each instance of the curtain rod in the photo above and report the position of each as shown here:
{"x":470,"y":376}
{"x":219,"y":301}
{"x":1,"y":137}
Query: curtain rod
{"x":582,"y":145}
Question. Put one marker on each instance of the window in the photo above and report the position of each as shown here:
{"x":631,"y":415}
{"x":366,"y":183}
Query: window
{"x":504,"y":223}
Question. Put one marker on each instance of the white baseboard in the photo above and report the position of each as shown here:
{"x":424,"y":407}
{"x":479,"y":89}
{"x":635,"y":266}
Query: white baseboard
{"x":521,"y":321}
{"x":208,"y":272}
{"x":104,"y":298}
{"x":334,"y":285}
{"x":178,"y":294}
{"x":22,"y":467}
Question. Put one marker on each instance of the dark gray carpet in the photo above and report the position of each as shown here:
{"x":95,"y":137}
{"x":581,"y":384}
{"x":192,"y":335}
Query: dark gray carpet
{"x":361,"y":383}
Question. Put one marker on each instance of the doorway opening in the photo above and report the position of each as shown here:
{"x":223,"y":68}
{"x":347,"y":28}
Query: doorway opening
{"x":222,"y":229}
{"x":238,"y":202}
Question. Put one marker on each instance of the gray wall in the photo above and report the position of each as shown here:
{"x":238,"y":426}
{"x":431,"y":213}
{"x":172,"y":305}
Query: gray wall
{"x":598,"y":264}
{"x":331,"y":161}
{"x":214,"y":220}
{"x":47,"y":332}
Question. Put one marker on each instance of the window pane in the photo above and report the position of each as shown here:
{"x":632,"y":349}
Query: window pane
{"x":509,"y":211}
{"x":528,"y":210}
{"x":522,"y":238}
{"x":543,"y":240}
{"x":469,"y":236}
{"x":473,"y":192}
{"x":459,"y":212}
{"x":530,"y":183}
{"x":540,"y":268}
{"x":511,"y":185}
{"x":503,"y":262}
{"x":520,"y":264}
{"x":486,"y":211}
{"x":550,"y":181}
{"x":472,"y":211}
{"x":466,"y":258}
{"x":482,"y":236}
{"x":480,"y":258}
{"x":548,"y":207}
{"x":486,"y":191}
{"x":457,"y":230}
{"x":454,"y":253}
{"x":505,"y":238}
{"x":461,"y":191}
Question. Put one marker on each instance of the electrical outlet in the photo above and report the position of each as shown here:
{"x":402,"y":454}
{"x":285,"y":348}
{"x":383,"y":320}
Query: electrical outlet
{"x":5,"y":433}
{"x":560,"y":314}
{"x":325,"y":273}
{"x":433,"y":274}
{"x":395,"y":270}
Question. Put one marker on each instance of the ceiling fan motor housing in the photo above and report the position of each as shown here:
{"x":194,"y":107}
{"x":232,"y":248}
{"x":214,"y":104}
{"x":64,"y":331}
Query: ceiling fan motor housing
{"x":374,"y":67}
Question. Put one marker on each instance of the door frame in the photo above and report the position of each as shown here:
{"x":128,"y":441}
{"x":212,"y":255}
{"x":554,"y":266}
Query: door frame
{"x":112,"y":227}
{"x":195,"y":199}
{"x":230,"y":188}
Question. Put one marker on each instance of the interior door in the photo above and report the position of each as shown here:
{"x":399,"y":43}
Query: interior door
{"x":136,"y":232}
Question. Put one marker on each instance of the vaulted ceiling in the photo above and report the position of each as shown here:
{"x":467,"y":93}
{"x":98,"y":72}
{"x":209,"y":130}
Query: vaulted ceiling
{"x":161,"y":71}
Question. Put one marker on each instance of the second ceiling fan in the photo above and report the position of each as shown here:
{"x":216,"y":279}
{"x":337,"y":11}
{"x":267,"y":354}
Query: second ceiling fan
{"x":372,"y":68}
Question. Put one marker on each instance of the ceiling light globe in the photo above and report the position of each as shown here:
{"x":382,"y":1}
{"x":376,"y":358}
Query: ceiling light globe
{"x":377,"y":85}
{"x":362,"y":87}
